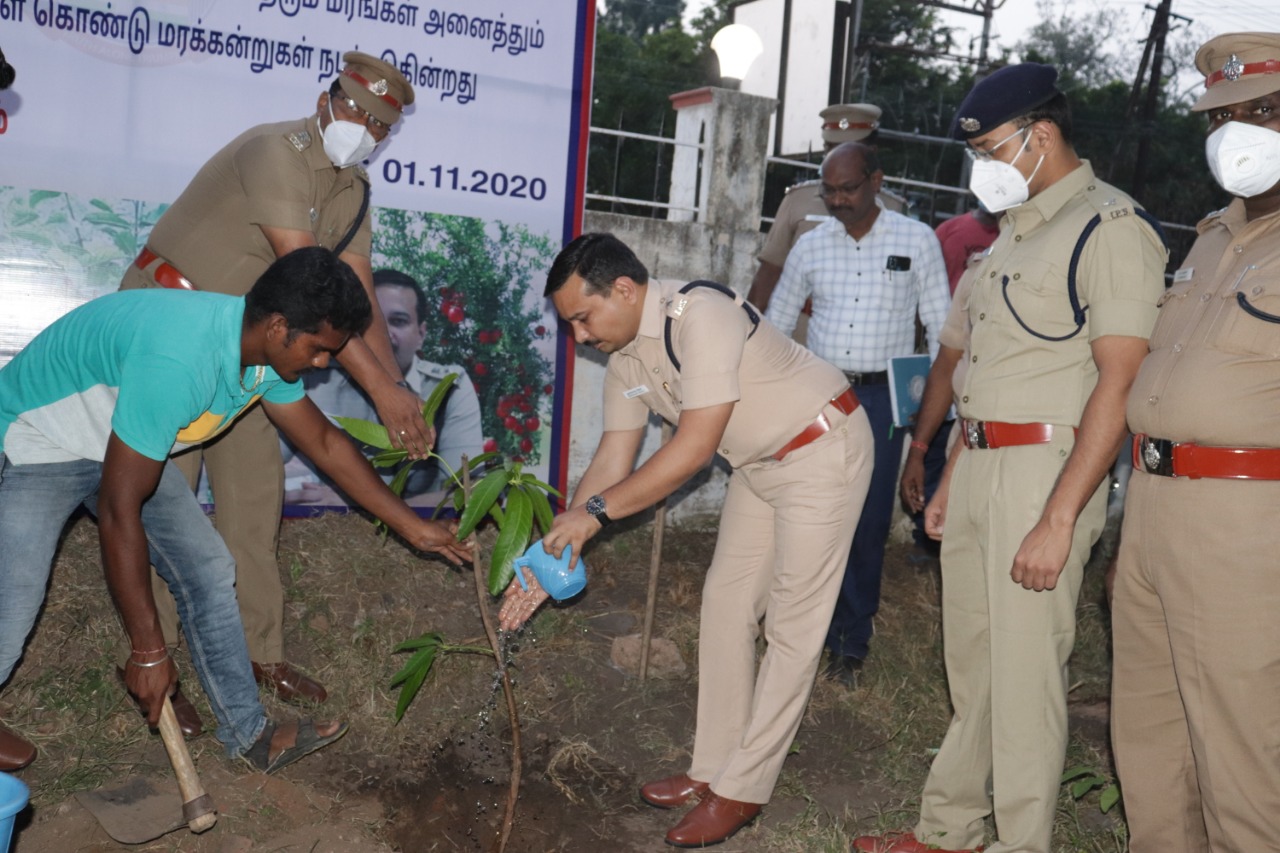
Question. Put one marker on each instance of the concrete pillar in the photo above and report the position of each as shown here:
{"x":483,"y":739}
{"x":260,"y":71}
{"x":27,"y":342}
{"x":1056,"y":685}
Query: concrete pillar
{"x":725,"y":180}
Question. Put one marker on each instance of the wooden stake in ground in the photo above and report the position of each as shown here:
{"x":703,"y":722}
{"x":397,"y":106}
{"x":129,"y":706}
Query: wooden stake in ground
{"x":655,"y":563}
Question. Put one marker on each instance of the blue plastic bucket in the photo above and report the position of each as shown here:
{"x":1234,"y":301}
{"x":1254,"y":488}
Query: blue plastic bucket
{"x":13,"y":799}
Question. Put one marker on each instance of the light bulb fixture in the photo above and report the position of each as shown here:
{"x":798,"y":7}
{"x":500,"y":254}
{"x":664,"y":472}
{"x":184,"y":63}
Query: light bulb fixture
{"x":736,"y":46}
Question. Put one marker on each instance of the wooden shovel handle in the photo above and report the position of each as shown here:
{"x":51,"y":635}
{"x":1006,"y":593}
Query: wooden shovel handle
{"x":197,"y":807}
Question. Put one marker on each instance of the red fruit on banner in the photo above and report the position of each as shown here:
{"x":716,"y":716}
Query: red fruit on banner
{"x":524,"y":406}
{"x":490,"y":445}
{"x":482,"y":336}
{"x":504,"y":408}
{"x":526,"y":445}
{"x":455,"y":314}
{"x":548,"y":389}
{"x":528,"y":391}
{"x":480,"y":369}
{"x":517,"y":458}
{"x":495,"y":336}
{"x":513,"y":424}
{"x":532,"y":424}
{"x":539,"y":330}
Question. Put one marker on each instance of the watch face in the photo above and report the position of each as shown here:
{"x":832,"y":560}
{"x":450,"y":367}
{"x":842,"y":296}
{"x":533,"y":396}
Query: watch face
{"x":595,"y":505}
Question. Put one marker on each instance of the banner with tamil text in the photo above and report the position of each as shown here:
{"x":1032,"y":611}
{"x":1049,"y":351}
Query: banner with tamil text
{"x":117,"y":105}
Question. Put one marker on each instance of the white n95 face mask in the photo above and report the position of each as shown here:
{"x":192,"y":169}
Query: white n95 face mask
{"x":1244,"y":158}
{"x":999,"y":185}
{"x":346,"y":142}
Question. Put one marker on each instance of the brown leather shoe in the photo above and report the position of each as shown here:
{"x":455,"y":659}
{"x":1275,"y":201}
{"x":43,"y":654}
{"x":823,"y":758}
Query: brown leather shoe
{"x":16,"y":751}
{"x":899,"y":842}
{"x":711,"y":821}
{"x":672,"y":791}
{"x":188,"y":717}
{"x":288,"y":683}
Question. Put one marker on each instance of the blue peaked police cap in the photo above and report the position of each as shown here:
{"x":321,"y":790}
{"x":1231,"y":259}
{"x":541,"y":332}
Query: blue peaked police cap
{"x":1003,"y":95}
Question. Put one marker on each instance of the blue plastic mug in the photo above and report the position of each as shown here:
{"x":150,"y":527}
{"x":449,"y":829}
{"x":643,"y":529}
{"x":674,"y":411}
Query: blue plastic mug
{"x":553,"y":575}
{"x":13,"y":799}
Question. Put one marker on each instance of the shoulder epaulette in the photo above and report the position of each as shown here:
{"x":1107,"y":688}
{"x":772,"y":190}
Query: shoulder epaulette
{"x":803,"y":184}
{"x":299,"y":139}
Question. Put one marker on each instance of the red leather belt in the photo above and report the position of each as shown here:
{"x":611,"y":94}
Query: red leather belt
{"x":166,"y":274}
{"x":989,"y":435}
{"x":846,"y":403}
{"x":1166,"y":458}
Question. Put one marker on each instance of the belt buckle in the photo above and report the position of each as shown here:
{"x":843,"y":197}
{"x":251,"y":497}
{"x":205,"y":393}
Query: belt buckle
{"x":975,"y":436}
{"x":1157,"y":456}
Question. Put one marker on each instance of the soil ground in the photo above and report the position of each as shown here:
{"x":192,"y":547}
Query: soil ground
{"x":592,"y":731}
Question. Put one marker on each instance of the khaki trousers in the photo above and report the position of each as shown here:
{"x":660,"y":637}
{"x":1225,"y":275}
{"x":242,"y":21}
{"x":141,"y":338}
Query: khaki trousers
{"x":246,"y":475}
{"x":1195,"y":709}
{"x":1006,"y":652}
{"x":784,"y":538}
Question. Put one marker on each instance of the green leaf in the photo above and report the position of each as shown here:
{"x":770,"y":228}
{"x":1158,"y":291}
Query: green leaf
{"x":108,"y":220}
{"x":513,"y":539}
{"x":1084,"y":786}
{"x":101,"y":205}
{"x":483,"y":495}
{"x":387,"y":458}
{"x":1107,"y":801}
{"x":483,"y":459}
{"x":1075,"y":773}
{"x":437,"y":397}
{"x":38,"y":196}
{"x":414,"y":682}
{"x":366,"y":432}
{"x":541,"y":485}
{"x":496,"y":513}
{"x":414,"y":673}
{"x":541,"y":508}
{"x":420,"y":642}
{"x":397,"y":482}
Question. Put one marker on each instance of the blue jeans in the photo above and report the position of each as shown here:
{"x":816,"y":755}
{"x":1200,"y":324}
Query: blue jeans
{"x":35,"y":503}
{"x":851,"y":624}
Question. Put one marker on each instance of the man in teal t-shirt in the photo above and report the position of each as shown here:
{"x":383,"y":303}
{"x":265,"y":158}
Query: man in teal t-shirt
{"x":89,"y":413}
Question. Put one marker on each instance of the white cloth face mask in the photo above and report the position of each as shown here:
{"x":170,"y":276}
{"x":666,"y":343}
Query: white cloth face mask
{"x":999,"y":185}
{"x":346,"y":142}
{"x":1244,"y":158}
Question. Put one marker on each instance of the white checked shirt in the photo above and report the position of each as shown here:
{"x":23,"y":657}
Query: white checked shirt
{"x":864,"y":311}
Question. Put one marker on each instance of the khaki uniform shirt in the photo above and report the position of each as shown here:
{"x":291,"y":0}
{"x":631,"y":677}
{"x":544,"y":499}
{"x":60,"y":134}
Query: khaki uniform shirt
{"x":1211,"y":376}
{"x":778,"y":386}
{"x":800,"y":212}
{"x":275,"y":175}
{"x":1013,"y":375}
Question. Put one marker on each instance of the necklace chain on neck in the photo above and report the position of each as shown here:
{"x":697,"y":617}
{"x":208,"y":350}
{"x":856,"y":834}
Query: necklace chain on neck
{"x":259,"y":373}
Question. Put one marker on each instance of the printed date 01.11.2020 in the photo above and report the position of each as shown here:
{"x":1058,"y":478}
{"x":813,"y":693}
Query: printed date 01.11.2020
{"x":479,"y":181}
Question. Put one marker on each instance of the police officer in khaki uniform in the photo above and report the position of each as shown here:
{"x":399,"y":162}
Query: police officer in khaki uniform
{"x":275,"y":188}
{"x":1024,"y":495}
{"x":800,"y":446}
{"x":802,"y":208}
{"x":1196,"y":683}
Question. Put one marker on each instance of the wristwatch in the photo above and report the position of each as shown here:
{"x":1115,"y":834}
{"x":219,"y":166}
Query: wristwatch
{"x":595,"y":509}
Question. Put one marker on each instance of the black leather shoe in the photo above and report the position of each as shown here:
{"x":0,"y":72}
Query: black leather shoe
{"x":16,"y":751}
{"x":188,"y":717}
{"x":289,"y":684}
{"x":844,"y":669}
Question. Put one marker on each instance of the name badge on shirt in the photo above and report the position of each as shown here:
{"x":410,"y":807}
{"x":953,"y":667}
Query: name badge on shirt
{"x":632,"y":393}
{"x":1184,"y":274}
{"x":816,"y":217}
{"x":898,"y":263}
